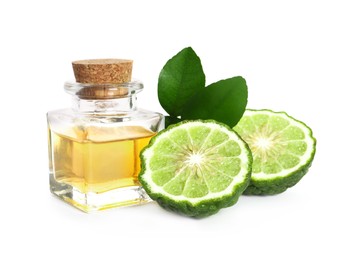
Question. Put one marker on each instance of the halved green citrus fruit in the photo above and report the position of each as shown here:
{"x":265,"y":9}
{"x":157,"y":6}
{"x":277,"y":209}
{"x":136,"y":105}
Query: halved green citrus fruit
{"x":196,"y":167}
{"x":283,"y":149}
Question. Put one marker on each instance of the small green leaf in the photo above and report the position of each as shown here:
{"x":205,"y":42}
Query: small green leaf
{"x":169,"y":120}
{"x":181,"y":77}
{"x":224,"y":101}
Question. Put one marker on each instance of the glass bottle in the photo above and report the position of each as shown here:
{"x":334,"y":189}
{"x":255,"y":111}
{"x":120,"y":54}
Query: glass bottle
{"x":94,"y":146}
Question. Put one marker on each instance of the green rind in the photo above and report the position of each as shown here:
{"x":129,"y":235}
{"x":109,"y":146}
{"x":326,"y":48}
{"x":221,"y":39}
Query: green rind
{"x":280,"y":184}
{"x":277,"y":185}
{"x":203,"y":208}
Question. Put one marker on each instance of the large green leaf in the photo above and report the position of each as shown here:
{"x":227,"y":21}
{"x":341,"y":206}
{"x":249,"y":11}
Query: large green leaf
{"x":224,"y":101}
{"x":181,"y":77}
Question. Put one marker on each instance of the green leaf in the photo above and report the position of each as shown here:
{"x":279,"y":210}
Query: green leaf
{"x":169,"y":120}
{"x":181,"y":77}
{"x":224,"y":101}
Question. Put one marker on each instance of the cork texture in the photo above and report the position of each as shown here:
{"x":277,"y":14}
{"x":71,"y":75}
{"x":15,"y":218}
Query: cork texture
{"x":101,"y":71}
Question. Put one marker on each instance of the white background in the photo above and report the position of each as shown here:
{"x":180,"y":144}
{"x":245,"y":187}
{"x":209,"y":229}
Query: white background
{"x":295,"y":58}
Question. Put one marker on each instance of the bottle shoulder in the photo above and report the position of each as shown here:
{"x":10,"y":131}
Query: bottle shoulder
{"x":61,"y":120}
{"x":69,"y":114}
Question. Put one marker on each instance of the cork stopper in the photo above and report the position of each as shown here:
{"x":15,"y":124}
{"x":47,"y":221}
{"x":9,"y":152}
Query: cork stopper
{"x":103,"y":75}
{"x":102,"y":71}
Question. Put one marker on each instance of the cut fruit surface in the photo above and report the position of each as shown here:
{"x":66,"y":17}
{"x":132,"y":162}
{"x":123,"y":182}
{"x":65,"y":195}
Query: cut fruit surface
{"x":283,"y":149}
{"x":196,"y":167}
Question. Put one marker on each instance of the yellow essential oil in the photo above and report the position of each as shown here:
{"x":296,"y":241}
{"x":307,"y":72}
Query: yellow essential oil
{"x":98,"y":166}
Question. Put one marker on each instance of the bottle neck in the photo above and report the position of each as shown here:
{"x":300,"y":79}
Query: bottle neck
{"x":106,"y":98}
{"x":106,"y":106}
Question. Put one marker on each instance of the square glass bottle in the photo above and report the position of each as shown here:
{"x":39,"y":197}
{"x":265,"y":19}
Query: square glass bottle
{"x":94,"y":146}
